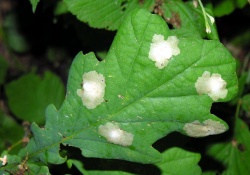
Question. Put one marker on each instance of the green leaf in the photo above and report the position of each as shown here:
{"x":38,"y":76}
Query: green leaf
{"x":241,"y":39}
{"x":234,"y":154}
{"x":177,"y":161}
{"x":107,"y":14}
{"x":108,"y":173}
{"x":142,"y":103}
{"x":17,"y":165}
{"x":34,"y":4}
{"x":29,"y":96}
{"x":36,"y":169}
{"x":77,"y":164}
{"x":12,"y":34}
{"x":3,"y":69}
{"x":185,"y":17}
{"x":61,"y":8}
{"x":12,"y":162}
{"x":80,"y":167}
{"x":209,"y":173}
{"x":225,"y":7}
{"x":246,"y":102}
{"x":10,"y":132}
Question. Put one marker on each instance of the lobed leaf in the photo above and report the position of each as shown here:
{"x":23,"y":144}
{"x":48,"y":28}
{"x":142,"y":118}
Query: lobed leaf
{"x":140,"y":99}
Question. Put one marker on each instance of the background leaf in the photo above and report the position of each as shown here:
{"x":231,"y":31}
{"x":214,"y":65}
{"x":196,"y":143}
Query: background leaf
{"x":235,"y":153}
{"x":225,"y":7}
{"x":10,"y":132}
{"x":34,"y":4}
{"x":61,"y":8}
{"x":209,"y":173}
{"x":79,"y":166}
{"x":107,"y":14}
{"x":3,"y":69}
{"x":177,"y":161}
{"x":29,"y":96}
{"x":246,"y":102}
{"x":17,"y":165}
{"x":184,"y":16}
{"x":12,"y":34}
{"x":187,"y":163}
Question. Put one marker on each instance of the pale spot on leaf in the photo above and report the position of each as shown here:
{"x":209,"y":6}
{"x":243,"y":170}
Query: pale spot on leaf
{"x":214,"y":86}
{"x":208,"y":127}
{"x":162,"y":50}
{"x":93,"y":89}
{"x":114,"y":134}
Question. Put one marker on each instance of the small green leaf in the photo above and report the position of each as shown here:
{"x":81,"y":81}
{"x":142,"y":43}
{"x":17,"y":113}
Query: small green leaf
{"x":61,"y":8}
{"x":37,"y":169}
{"x":235,"y":154}
{"x":225,"y":7}
{"x":246,"y":102}
{"x":241,"y":39}
{"x":10,"y":132}
{"x":177,"y":161}
{"x":107,"y":14}
{"x":80,"y":167}
{"x":17,"y":165}
{"x":34,"y":4}
{"x":29,"y":96}
{"x":12,"y":164}
{"x":77,"y":164}
{"x":14,"y":38}
{"x":188,"y":19}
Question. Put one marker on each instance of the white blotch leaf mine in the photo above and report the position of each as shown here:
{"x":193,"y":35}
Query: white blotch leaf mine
{"x":208,"y":127}
{"x":93,"y":89}
{"x":162,"y":50}
{"x":114,"y":134}
{"x":214,"y":86}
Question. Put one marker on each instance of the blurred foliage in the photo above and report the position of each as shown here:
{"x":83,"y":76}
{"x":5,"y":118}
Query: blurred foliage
{"x":3,"y":69}
{"x":11,"y":133}
{"x":225,"y":7}
{"x":14,"y":38}
{"x":29,"y":96}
